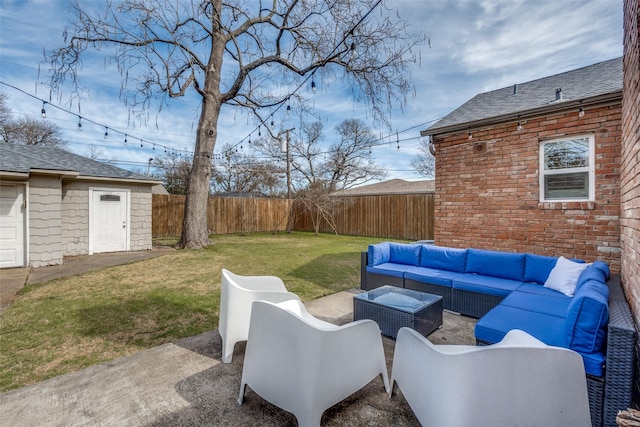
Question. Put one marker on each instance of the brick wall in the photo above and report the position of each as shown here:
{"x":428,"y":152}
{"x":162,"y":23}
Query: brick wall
{"x":488,"y":197}
{"x":630,"y":167}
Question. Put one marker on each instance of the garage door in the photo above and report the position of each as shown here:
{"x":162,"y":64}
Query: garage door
{"x":12,"y":220}
{"x":109,"y":222}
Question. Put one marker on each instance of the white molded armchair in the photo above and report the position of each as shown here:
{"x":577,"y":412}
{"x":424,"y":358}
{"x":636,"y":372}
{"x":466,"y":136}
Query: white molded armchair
{"x":518,"y":381}
{"x":305,"y":365}
{"x":237,"y":293}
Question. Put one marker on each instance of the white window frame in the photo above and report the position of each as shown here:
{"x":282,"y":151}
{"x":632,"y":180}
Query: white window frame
{"x":590,"y":169}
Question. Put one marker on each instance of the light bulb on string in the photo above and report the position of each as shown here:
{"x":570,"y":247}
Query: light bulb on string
{"x":259,"y":133}
{"x":313,"y":86}
{"x":581,"y":112}
{"x":352,"y":55}
{"x":125,"y":139}
{"x":43,"y":112}
{"x":397,"y":139}
{"x":106,"y":132}
{"x":141,"y":144}
{"x":153,"y":147}
{"x":288,"y":109}
{"x":79,"y":122}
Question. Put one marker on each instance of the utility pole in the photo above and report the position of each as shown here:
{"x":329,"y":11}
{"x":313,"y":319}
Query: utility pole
{"x":287,"y":157}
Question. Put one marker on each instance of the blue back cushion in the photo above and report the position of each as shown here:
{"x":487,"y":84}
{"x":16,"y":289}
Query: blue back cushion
{"x":587,"y":317}
{"x":538,"y":267}
{"x":507,"y":265}
{"x":401,"y":253}
{"x":442,"y":258}
{"x":601,"y":265}
{"x":378,"y":254}
{"x":591,"y":273}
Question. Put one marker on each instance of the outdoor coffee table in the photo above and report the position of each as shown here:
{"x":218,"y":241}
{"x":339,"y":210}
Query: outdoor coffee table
{"x":393,"y":308}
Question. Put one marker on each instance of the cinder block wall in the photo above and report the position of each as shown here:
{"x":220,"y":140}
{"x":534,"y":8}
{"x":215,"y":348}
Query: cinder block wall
{"x":489,"y":197}
{"x":630,"y":168}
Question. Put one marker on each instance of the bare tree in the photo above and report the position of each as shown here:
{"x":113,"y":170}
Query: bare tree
{"x":30,"y":131}
{"x":175,"y":169}
{"x":425,"y":163}
{"x":245,"y":174}
{"x":238,"y":52}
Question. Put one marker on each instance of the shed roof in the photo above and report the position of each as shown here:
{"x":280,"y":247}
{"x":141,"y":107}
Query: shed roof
{"x":584,"y":86}
{"x":393,"y":186}
{"x":25,"y":159}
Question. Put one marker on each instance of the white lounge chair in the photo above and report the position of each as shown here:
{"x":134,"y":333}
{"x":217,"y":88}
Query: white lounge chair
{"x":305,"y":365}
{"x":518,"y":381}
{"x":236,"y":296}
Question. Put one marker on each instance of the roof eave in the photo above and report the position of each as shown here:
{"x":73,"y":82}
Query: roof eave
{"x":150,"y":181}
{"x":553,"y":107}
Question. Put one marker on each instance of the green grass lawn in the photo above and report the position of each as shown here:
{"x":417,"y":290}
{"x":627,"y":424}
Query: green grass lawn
{"x":68,"y":324}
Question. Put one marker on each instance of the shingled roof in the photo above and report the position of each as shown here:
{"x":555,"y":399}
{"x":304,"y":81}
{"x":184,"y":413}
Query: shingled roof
{"x":394,"y":186}
{"x":25,"y":159}
{"x":584,"y":86}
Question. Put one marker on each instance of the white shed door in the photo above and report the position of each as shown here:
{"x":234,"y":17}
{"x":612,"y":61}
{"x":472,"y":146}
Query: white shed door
{"x":12,"y":216}
{"x":109,"y":228}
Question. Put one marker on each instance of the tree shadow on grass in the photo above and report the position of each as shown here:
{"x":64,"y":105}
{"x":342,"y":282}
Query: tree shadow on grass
{"x":333,"y":272}
{"x":155,"y":319}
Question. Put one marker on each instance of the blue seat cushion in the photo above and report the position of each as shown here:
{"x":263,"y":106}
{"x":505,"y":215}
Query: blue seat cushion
{"x":431,"y":275}
{"x":507,"y":265}
{"x":378,"y":254}
{"x":401,"y":253}
{"x":443,"y":258}
{"x":549,"y":329}
{"x":553,"y":306}
{"x":538,"y":267}
{"x":535,"y":288}
{"x":494,"y":325}
{"x":485,"y":284}
{"x":587,"y":317}
{"x":388,"y":269}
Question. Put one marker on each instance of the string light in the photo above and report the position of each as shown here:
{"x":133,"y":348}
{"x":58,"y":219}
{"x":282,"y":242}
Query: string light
{"x":470,"y":136}
{"x":43,"y":112}
{"x":125,"y":139}
{"x":79,"y":122}
{"x":288,"y":109}
{"x":106,"y":132}
{"x":581,"y":112}
{"x":519,"y":127}
{"x":313,"y":86}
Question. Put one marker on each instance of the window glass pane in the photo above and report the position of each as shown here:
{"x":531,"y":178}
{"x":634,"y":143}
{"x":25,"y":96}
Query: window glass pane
{"x":572,"y":153}
{"x":109,"y":198}
{"x":567,"y":186}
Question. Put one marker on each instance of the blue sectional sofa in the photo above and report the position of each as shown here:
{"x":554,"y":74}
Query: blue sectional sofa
{"x":506,"y":291}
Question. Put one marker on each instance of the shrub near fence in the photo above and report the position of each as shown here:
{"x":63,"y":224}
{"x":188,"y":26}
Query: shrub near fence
{"x":401,"y":216}
{"x":225,"y":215}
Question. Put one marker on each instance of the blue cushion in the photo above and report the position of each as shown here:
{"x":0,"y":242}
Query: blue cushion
{"x":601,"y":265}
{"x":587,"y":317}
{"x":593,"y":363}
{"x":388,"y":269}
{"x":494,"y":325}
{"x":535,"y":288}
{"x":443,"y":258}
{"x":431,"y":275}
{"x":378,"y":254}
{"x":507,"y":265}
{"x":401,"y":253}
{"x":538,"y":267}
{"x":591,"y":273}
{"x":553,"y":306}
{"x":485,"y":284}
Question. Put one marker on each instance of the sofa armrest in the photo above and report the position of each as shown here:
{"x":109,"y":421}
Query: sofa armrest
{"x":620,"y":361}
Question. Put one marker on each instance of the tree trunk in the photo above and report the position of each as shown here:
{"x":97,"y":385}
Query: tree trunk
{"x":195,"y":231}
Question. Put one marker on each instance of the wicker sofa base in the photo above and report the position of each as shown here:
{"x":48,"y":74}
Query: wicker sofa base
{"x":428,"y":288}
{"x":473,"y":304}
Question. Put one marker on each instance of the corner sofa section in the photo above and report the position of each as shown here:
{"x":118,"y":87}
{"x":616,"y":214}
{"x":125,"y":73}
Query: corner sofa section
{"x":505,"y":291}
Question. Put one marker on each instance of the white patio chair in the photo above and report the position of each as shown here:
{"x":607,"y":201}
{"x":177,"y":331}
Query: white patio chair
{"x":236,"y":296}
{"x":518,"y":381}
{"x":305,"y":365}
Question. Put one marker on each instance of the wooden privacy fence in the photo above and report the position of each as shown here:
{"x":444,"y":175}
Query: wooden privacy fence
{"x":224,"y":214}
{"x":402,"y":216}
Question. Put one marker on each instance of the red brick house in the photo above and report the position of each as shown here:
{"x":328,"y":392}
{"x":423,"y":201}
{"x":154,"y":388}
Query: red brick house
{"x":534,"y":167}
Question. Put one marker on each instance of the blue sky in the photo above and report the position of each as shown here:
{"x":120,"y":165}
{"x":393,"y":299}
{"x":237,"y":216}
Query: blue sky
{"x":475,"y":46}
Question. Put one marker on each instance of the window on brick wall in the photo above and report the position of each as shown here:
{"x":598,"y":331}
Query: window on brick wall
{"x":567,"y":169}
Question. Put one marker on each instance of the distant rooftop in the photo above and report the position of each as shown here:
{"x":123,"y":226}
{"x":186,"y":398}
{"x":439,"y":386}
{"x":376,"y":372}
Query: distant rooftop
{"x":394,"y":186}
{"x":25,"y":159}
{"x":583,"y":86}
